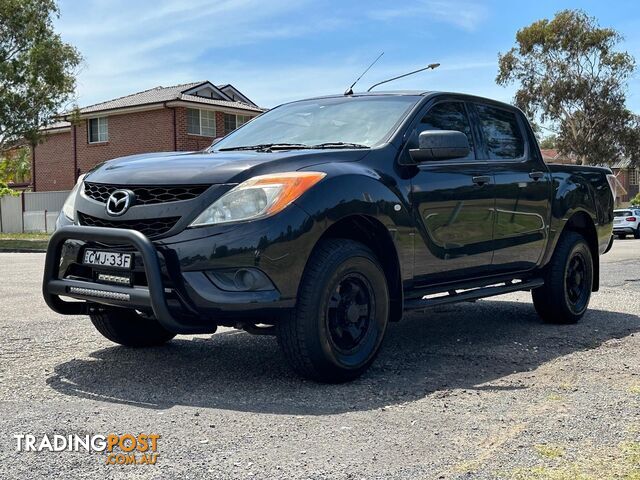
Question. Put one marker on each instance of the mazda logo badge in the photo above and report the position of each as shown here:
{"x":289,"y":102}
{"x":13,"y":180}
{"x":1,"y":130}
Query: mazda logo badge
{"x":119,"y":202}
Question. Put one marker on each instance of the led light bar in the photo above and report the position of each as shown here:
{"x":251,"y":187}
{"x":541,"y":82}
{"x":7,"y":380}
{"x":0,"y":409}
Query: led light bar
{"x":118,"y":279}
{"x":91,"y":292}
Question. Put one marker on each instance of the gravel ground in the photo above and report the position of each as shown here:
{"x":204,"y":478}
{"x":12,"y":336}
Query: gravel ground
{"x":478,"y":390}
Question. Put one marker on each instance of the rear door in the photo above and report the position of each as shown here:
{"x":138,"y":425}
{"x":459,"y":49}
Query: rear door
{"x":522,"y":188}
{"x":453,"y":203}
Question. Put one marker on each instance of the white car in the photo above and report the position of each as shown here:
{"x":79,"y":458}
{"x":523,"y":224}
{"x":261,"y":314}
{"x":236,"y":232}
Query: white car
{"x":626,"y":222}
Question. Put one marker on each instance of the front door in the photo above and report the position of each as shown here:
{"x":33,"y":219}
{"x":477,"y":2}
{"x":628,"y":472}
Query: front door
{"x":453,"y":205}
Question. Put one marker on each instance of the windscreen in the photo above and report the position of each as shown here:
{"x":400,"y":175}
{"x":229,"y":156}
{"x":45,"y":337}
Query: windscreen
{"x":365,"y":121}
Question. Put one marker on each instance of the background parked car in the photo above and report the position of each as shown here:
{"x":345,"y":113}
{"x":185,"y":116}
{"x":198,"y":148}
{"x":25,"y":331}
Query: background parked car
{"x":626,"y":222}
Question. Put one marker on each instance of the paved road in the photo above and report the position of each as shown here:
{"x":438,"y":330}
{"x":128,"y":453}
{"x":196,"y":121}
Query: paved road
{"x":480,"y":390}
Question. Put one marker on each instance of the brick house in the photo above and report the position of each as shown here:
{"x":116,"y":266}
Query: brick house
{"x":627,"y":176}
{"x":183,"y":117}
{"x":551,"y":155}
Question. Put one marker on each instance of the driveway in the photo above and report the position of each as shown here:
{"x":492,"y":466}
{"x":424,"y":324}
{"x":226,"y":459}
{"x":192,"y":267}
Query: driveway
{"x":477,"y":390}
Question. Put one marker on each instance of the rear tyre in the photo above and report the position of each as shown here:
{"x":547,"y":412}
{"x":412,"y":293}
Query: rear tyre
{"x":129,"y":328}
{"x":565,"y":295}
{"x":636,"y":233}
{"x":335,"y":331}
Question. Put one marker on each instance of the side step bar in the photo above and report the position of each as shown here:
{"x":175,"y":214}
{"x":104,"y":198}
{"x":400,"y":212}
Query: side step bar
{"x":454,"y":296}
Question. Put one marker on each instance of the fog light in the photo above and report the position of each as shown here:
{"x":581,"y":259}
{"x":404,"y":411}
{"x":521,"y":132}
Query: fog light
{"x":246,"y":279}
{"x":240,"y":280}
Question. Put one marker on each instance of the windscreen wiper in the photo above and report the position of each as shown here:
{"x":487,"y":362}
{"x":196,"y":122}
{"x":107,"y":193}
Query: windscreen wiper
{"x":338,"y":145}
{"x":263,"y":147}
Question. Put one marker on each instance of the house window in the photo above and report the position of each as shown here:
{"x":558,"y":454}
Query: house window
{"x":98,"y":130}
{"x":242,"y":119}
{"x":633,"y":176}
{"x":231,"y":122}
{"x":201,"y":122}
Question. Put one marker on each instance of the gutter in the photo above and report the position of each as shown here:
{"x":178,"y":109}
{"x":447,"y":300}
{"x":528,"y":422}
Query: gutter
{"x":159,"y":105}
{"x":211,"y":106}
{"x":75,"y":154}
{"x":175,"y":127}
{"x":33,"y":167}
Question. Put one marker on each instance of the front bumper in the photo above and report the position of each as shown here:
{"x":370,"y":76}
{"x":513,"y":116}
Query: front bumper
{"x":150,"y":298}
{"x":172,"y":277}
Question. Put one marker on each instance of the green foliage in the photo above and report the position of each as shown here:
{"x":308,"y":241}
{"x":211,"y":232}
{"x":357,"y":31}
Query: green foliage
{"x":16,"y":166}
{"x":548,"y":142}
{"x":636,"y":200}
{"x":4,"y":191}
{"x":37,"y":69}
{"x":571,"y":76}
{"x":74,"y":115}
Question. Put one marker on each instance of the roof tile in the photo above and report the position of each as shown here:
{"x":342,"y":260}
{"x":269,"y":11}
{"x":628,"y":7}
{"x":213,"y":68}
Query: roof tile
{"x":160,"y":95}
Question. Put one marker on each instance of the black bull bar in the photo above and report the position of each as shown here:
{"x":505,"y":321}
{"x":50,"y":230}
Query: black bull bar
{"x":139,"y":298}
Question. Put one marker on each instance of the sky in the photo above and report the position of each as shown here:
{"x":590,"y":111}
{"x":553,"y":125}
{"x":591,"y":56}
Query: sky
{"x":276,"y":51}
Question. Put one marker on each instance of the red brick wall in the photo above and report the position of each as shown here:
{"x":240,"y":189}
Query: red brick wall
{"x":54,"y":163}
{"x":129,"y":134}
{"x":623,"y":177}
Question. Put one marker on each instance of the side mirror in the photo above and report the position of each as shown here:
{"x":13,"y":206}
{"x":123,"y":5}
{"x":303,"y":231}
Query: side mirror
{"x":440,"y":145}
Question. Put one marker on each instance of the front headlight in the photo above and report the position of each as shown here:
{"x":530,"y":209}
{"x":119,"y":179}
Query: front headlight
{"x":258,"y":197}
{"x":69,"y":206}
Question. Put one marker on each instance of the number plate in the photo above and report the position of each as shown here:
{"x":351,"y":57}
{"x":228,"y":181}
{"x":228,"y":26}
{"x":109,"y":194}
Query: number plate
{"x":108,"y":259}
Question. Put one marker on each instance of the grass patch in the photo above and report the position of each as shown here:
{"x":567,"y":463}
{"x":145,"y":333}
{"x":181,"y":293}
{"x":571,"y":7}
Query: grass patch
{"x":25,"y":236}
{"x":549,"y":451}
{"x":554,"y":397}
{"x":23,"y":241}
{"x":621,"y":462}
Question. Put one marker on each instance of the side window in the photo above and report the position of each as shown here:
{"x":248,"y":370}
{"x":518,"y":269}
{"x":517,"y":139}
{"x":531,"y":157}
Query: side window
{"x":448,"y":116}
{"x":501,"y":132}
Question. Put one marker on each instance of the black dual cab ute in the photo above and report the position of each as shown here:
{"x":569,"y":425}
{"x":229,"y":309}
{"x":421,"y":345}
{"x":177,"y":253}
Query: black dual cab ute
{"x":323,"y":220}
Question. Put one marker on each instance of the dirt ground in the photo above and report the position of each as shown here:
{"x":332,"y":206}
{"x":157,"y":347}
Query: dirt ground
{"x":476,"y":390}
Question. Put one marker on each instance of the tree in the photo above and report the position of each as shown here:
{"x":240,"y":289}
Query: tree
{"x":6,"y":191}
{"x":572,"y":78}
{"x":548,"y":142}
{"x":37,"y":69}
{"x":16,"y":166}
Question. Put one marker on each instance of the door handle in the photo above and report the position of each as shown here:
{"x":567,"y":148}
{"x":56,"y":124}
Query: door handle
{"x":536,"y":176}
{"x":481,"y":179}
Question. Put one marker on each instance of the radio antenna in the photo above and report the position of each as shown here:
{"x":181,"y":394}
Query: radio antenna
{"x":431,"y":66}
{"x":349,"y":90}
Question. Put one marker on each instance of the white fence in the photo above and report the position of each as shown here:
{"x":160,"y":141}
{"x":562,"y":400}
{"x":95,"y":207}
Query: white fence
{"x":31,"y":211}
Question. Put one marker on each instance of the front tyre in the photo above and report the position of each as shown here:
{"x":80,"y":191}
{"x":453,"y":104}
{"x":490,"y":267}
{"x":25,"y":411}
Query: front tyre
{"x":129,"y":328}
{"x":336,"y":329}
{"x":565,"y":295}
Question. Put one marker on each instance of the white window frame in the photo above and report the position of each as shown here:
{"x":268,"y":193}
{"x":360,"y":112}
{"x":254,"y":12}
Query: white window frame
{"x":209,"y":119}
{"x":102,"y":124}
{"x":248,"y":118}
{"x":633,"y":176}
{"x":237,"y":124}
